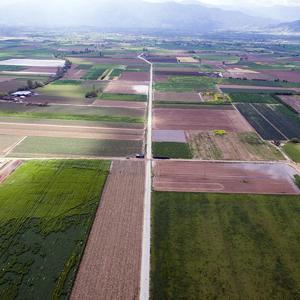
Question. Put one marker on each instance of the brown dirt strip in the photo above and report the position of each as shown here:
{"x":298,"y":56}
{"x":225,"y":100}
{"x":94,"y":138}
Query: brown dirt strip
{"x":12,"y":85}
{"x":291,"y":76}
{"x":126,"y":87}
{"x":252,"y":87}
{"x":110,"y":267}
{"x":292,"y":101}
{"x":9,"y":168}
{"x":173,"y":96}
{"x":135,"y":76}
{"x":23,"y":129}
{"x":199,"y":119}
{"x":74,"y":74}
{"x":6,"y":79}
{"x":184,"y":176}
{"x":121,"y":104}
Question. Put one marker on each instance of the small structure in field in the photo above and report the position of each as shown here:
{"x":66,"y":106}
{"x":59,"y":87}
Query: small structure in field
{"x":22,"y":94}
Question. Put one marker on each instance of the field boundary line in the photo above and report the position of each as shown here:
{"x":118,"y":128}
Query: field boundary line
{"x":268,"y":121}
{"x":11,"y":148}
{"x":146,"y":241}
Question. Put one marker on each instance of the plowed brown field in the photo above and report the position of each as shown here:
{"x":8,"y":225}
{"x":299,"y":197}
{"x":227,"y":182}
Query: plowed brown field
{"x":184,"y":176}
{"x":200,"y":119}
{"x":110,"y":268}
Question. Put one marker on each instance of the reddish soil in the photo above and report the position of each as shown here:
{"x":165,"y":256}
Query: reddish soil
{"x":178,"y":69}
{"x":291,"y":76}
{"x":162,"y":59}
{"x":173,"y":96}
{"x":122,"y":104}
{"x":9,"y":168}
{"x":160,"y":78}
{"x":183,"y":176}
{"x":12,"y":85}
{"x":110,"y":267}
{"x":74,"y":73}
{"x":292,"y":101}
{"x":135,"y":76}
{"x":27,"y":129}
{"x":56,"y":100}
{"x":117,"y":61}
{"x":5,"y":79}
{"x":126,"y":87}
{"x":41,"y":69}
{"x":169,"y":136}
{"x":201,"y":119}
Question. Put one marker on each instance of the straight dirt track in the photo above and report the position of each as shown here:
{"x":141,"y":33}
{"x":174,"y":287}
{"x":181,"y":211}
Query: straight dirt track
{"x":185,"y":176}
{"x":110,"y":268}
{"x":9,"y":168}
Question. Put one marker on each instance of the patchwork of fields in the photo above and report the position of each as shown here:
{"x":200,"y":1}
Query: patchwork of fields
{"x":102,"y":197}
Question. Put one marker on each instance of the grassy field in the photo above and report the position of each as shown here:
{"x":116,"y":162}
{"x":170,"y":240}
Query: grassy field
{"x":232,"y":146}
{"x":95,"y":72}
{"x":72,"y":147}
{"x":210,"y":246}
{"x":293,"y":151}
{"x":123,"y":97}
{"x":103,"y":114}
{"x":47,"y":209}
{"x":171,"y":150}
{"x":252,"y":98}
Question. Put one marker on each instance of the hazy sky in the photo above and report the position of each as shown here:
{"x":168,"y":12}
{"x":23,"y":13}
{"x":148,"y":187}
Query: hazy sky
{"x":213,"y":2}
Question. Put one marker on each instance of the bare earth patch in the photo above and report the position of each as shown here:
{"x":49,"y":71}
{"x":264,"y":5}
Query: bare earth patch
{"x":9,"y":168}
{"x":110,"y":267}
{"x":202,"y":119}
{"x":121,"y":104}
{"x":191,"y":176}
{"x":177,"y":136}
{"x":177,"y":97}
{"x":127,"y":87}
{"x":292,"y":101}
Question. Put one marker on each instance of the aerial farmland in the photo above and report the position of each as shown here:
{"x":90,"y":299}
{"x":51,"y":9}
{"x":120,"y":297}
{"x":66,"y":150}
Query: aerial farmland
{"x":161,"y":167}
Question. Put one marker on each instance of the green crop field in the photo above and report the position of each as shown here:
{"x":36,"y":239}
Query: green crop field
{"x":217,"y":246}
{"x":66,"y":147}
{"x":124,"y":97}
{"x":253,"y":98}
{"x":103,"y":114}
{"x":95,"y":72}
{"x":46,"y":211}
{"x":293,"y":151}
{"x":171,"y":150}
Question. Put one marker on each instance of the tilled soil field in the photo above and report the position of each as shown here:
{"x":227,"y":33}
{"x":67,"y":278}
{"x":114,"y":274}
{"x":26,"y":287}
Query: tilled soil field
{"x":110,"y":268}
{"x":199,"y":119}
{"x":27,"y":129}
{"x":120,"y":104}
{"x":258,"y":88}
{"x":127,"y":87}
{"x":183,"y":176}
{"x":177,"y":97}
{"x":135,"y":76}
{"x":292,"y":101}
{"x":291,"y":76}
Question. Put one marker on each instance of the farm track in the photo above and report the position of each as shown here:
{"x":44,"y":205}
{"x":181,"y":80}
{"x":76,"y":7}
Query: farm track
{"x":9,"y":168}
{"x":110,"y":267}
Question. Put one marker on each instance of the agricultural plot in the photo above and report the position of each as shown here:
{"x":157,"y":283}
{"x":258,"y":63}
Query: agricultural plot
{"x":171,"y":150}
{"x":127,"y":87}
{"x":68,"y":112}
{"x":292,"y":101}
{"x":123,"y":97}
{"x":177,"y":97}
{"x":245,"y":146}
{"x":253,"y":98}
{"x":47,"y":208}
{"x":202,"y":119}
{"x":193,"y":176}
{"x":263,"y":127}
{"x":284,"y":120}
{"x":293,"y":151}
{"x":235,"y":88}
{"x":110,"y":268}
{"x":210,"y":246}
{"x":7,"y":141}
{"x":76,"y":147}
{"x":55,"y":63}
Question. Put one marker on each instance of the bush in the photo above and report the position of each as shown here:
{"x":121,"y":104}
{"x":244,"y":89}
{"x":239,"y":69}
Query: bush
{"x":297,"y":180}
{"x":220,"y":132}
{"x":91,"y":94}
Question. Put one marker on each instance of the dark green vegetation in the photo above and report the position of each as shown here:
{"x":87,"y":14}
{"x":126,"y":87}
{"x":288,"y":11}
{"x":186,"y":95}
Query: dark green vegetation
{"x":293,"y":151}
{"x":46,"y":211}
{"x":253,"y":98}
{"x":171,"y":150}
{"x":217,"y":246}
{"x":297,"y":180}
{"x":66,"y":147}
{"x":124,"y":97}
{"x":95,"y":72}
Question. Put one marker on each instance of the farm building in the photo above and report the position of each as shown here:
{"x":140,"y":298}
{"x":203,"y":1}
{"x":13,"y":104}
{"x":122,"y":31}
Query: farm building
{"x":22,"y":94}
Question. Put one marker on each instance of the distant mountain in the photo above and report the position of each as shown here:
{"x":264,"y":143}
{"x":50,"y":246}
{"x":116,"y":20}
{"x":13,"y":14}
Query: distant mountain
{"x":130,"y":14}
{"x":288,"y":27}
